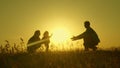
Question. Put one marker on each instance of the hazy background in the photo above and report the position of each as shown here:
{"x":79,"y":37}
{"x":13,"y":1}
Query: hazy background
{"x":22,"y":18}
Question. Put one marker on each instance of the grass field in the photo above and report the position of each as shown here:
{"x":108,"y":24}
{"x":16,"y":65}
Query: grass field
{"x":58,"y":59}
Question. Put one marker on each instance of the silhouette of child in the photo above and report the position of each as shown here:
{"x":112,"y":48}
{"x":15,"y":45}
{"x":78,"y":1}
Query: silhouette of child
{"x":47,"y":38}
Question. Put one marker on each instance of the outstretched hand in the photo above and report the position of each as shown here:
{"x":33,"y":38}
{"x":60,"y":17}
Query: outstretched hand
{"x":73,"y":38}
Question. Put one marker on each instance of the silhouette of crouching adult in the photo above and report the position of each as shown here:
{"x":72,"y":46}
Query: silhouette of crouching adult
{"x":90,"y":37}
{"x":33,"y":39}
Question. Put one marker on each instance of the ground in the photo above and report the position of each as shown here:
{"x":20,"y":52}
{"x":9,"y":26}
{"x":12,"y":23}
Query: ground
{"x":65,"y":59}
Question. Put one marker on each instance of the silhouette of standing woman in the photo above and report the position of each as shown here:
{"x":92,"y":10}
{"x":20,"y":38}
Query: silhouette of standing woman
{"x":90,"y":37}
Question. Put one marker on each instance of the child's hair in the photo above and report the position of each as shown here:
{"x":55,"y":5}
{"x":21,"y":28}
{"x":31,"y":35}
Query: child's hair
{"x":46,"y":33}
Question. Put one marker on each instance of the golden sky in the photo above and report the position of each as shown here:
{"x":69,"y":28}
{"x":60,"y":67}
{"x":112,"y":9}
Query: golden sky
{"x":22,"y":18}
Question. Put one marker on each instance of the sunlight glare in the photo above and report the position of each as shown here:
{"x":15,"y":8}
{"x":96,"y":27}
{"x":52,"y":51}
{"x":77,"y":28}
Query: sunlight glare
{"x":60,"y":35}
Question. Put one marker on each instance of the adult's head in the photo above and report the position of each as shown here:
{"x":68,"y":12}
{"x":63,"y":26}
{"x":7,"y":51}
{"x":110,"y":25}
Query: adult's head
{"x":87,"y":24}
{"x":37,"y":33}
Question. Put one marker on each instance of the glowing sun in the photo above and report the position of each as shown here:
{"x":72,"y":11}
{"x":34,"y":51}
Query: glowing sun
{"x":60,"y":35}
